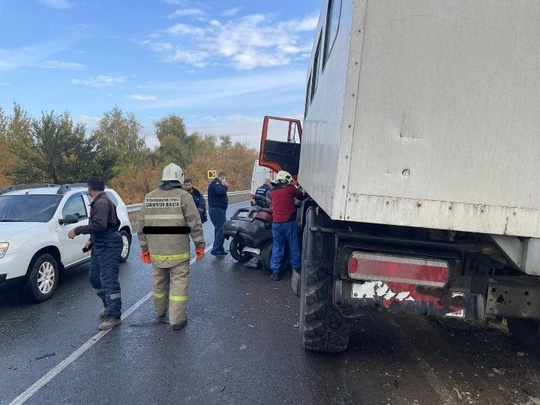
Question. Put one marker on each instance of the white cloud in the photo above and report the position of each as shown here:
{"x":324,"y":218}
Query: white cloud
{"x":100,"y":81}
{"x":244,"y":91}
{"x":232,"y":12}
{"x":245,"y":43}
{"x":186,"y":12}
{"x":87,"y":120}
{"x":171,"y":54}
{"x":61,"y":65}
{"x":142,"y":97}
{"x":39,"y":55}
{"x":183,"y":3}
{"x":184,"y":29}
{"x":60,"y":4}
{"x":11,"y":59}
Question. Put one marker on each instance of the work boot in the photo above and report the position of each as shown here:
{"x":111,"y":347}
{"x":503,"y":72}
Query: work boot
{"x":162,"y":318}
{"x":275,"y":277}
{"x":180,"y":325}
{"x":103,"y":313}
{"x":109,"y":323}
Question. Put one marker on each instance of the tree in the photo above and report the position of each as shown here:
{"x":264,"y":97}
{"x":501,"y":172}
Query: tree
{"x":4,"y":151}
{"x":143,"y":179}
{"x":55,"y":151}
{"x":176,"y":146}
{"x":13,"y":130}
{"x":236,"y":159}
{"x":121,"y":136}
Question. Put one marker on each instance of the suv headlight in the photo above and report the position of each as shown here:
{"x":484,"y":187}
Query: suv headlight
{"x":3,"y":248}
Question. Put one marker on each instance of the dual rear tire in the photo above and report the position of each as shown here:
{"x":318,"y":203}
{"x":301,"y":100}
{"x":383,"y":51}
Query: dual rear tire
{"x":526,"y":332}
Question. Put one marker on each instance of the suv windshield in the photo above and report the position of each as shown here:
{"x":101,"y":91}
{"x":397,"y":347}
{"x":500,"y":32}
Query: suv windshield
{"x":28,"y":208}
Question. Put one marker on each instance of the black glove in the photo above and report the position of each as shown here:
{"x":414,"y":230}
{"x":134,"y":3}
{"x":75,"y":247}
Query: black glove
{"x":86,"y":249}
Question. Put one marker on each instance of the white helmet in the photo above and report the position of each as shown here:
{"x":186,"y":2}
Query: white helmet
{"x":284,"y":177}
{"x":173,"y":172}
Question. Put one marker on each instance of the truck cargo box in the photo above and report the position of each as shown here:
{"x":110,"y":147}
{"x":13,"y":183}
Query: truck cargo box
{"x":426,"y":113}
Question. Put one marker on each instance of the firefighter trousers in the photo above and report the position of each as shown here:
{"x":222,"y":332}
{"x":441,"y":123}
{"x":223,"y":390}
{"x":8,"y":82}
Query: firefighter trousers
{"x":170,"y":291}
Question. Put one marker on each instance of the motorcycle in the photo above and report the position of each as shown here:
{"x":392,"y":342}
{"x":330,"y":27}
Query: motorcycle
{"x":251,"y":233}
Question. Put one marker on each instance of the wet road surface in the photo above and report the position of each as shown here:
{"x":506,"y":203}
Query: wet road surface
{"x":241,"y":346}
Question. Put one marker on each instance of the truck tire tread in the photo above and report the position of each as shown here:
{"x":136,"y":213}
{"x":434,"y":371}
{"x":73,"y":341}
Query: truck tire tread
{"x":526,"y":332}
{"x":323,"y":327}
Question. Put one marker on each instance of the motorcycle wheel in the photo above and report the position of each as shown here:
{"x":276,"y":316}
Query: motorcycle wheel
{"x":235,"y":248}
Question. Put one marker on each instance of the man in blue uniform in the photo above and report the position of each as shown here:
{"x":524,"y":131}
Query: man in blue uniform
{"x":106,"y":244}
{"x":218,"y":203}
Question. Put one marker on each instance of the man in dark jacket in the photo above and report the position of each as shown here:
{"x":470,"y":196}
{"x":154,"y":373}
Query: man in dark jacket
{"x":262,"y":195}
{"x":198,"y":198}
{"x":218,"y":203}
{"x":106,"y":244}
{"x":265,"y":188}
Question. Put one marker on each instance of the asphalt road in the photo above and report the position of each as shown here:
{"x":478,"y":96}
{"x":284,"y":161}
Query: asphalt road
{"x":241,"y":346}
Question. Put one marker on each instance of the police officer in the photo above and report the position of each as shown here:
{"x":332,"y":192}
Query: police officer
{"x":265,"y":188}
{"x":218,"y":203}
{"x":106,"y":245}
{"x":262,"y":195}
{"x":167,"y":217}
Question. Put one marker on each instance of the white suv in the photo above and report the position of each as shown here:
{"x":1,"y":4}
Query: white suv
{"x":34,"y":223}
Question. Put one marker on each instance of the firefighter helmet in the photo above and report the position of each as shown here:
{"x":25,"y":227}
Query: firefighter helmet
{"x":284,"y":177}
{"x":173,"y":172}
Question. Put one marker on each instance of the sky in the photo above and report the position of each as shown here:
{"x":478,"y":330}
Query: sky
{"x":221,"y":65}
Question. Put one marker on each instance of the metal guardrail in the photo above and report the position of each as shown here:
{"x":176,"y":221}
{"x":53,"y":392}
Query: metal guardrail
{"x":234,"y":196}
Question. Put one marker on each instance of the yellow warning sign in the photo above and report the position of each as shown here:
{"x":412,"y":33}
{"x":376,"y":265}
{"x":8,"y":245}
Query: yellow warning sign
{"x":211,"y":174}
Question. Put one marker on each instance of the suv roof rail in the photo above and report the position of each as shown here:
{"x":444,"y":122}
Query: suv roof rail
{"x":14,"y":187}
{"x":78,"y":184}
{"x":64,"y":188}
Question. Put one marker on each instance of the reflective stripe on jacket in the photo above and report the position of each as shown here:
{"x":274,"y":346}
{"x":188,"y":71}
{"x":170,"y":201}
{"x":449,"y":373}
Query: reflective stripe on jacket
{"x":171,"y":208}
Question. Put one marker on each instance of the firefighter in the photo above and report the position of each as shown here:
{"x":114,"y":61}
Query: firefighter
{"x":167,"y":217}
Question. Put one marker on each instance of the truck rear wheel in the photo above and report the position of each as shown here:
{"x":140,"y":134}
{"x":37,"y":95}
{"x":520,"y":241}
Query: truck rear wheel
{"x":322,"y":326}
{"x":526,"y":332}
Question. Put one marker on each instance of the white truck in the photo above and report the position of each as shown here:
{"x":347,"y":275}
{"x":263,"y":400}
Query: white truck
{"x":258,"y":177}
{"x":420,"y":154}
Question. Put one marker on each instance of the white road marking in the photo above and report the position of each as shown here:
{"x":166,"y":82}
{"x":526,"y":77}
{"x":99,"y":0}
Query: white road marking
{"x":77,"y":353}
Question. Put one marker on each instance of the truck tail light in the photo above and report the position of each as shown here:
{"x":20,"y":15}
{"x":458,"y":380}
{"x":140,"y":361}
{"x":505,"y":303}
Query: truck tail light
{"x":400,"y":269}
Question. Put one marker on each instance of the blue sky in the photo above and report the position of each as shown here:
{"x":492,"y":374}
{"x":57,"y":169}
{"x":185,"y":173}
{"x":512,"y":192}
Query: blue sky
{"x":221,"y":65}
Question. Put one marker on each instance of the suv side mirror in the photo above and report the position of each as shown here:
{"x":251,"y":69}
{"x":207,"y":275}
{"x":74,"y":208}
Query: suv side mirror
{"x":68,"y":219}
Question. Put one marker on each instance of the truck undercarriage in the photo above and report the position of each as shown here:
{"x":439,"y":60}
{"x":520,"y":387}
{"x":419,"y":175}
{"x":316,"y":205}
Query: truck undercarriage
{"x":347,"y":267}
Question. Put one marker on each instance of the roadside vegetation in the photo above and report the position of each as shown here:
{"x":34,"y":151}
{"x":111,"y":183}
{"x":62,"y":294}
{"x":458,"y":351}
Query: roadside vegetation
{"x":53,"y":149}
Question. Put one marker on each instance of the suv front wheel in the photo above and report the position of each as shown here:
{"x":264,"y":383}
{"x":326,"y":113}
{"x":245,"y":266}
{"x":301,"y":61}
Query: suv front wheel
{"x":42,"y":278}
{"x":126,"y":245}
